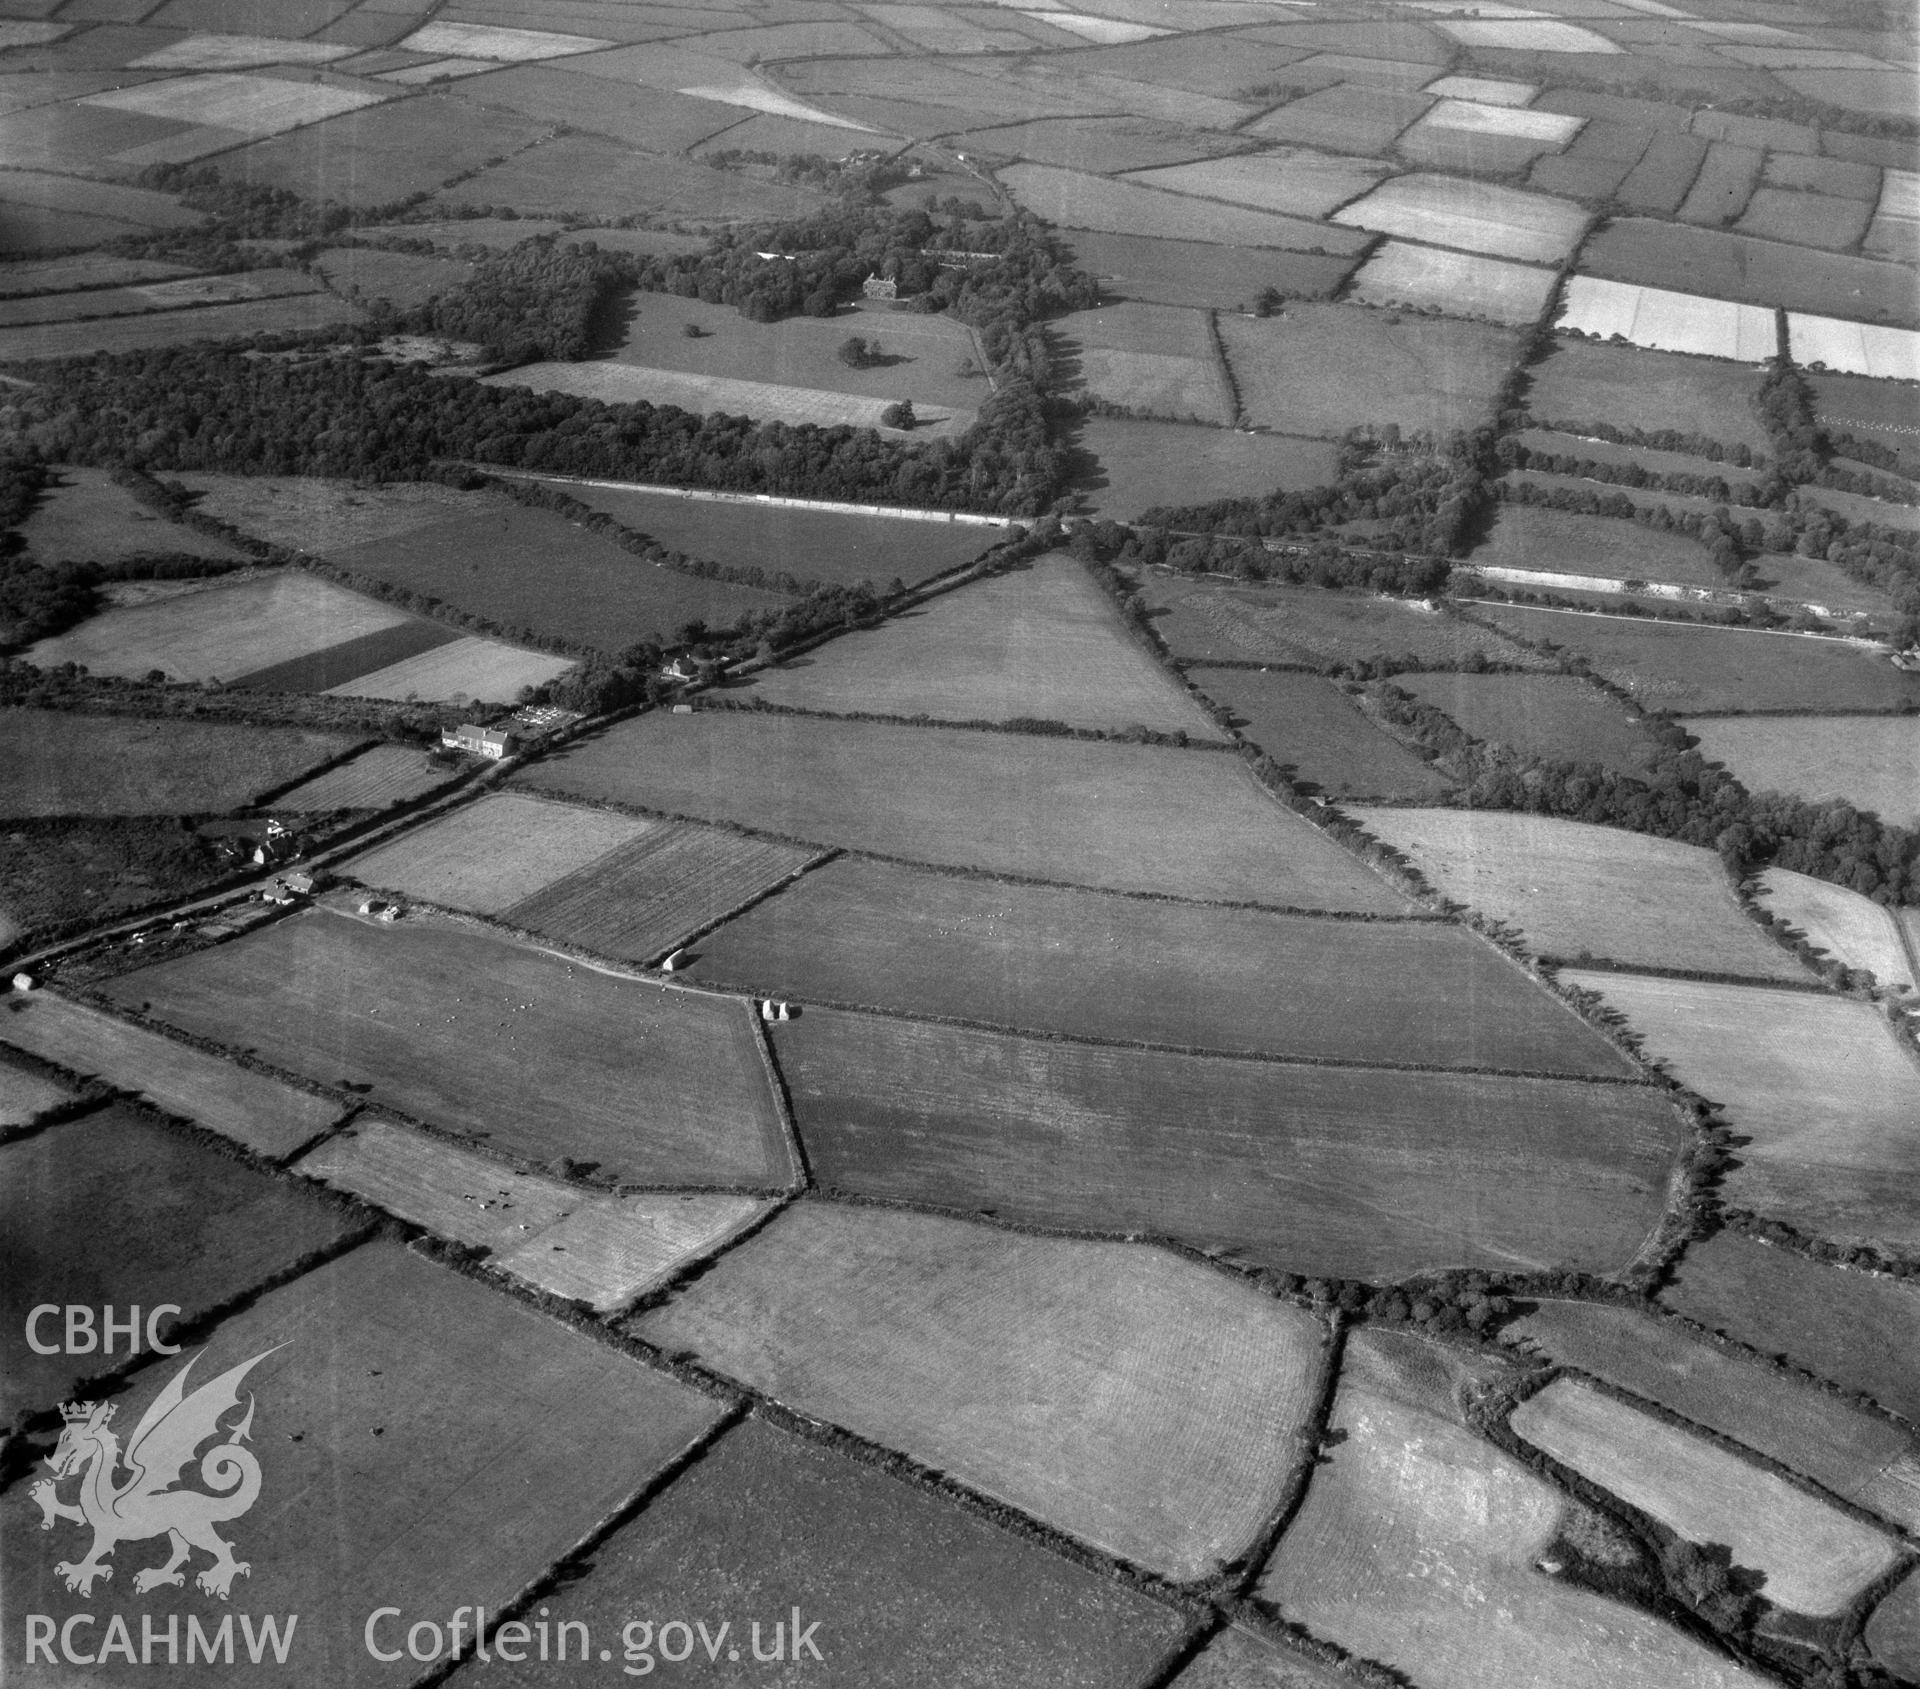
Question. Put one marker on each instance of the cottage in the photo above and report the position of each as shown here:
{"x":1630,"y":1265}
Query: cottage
{"x":473,"y":740}
{"x":23,"y":982}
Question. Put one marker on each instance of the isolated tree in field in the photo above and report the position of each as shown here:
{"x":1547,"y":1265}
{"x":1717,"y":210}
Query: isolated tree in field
{"x":858,"y":352}
{"x":898,"y":415}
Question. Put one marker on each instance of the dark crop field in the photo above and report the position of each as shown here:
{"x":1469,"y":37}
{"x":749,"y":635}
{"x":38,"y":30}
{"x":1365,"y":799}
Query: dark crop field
{"x":766,"y":1522}
{"x":538,"y":1057}
{"x":1308,"y":726}
{"x":112,"y":1209}
{"x":1585,"y":382}
{"x":1850,"y":1328}
{"x":1089,"y":964}
{"x":1184,"y":272}
{"x":1342,"y":1171}
{"x":1192,"y":823}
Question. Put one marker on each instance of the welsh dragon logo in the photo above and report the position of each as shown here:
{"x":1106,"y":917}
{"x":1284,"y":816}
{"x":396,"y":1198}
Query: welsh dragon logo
{"x":147,"y":1501}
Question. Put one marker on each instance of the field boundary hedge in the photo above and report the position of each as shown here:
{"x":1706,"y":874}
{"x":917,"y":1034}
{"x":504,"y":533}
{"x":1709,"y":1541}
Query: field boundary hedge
{"x":1030,"y":726}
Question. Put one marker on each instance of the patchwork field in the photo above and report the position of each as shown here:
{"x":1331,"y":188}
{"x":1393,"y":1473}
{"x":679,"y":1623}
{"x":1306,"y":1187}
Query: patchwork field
{"x":1197,"y":273}
{"x":1307,"y":726}
{"x":813,"y":545}
{"x":64,"y":763}
{"x":644,"y":897}
{"x":1479,"y":216}
{"x":1089,"y":964}
{"x":1816,"y":1084}
{"x":1814,"y":1558}
{"x":1808,"y":1430}
{"x":1627,"y":387}
{"x":1152,"y":359}
{"x":268,"y":1116}
{"x":1459,"y":284}
{"x":1137,"y":465}
{"x":1769,"y":273}
{"x":1045,"y":643}
{"x":1058,"y":1376}
{"x":603,"y":1250}
{"x":1210,"y":620}
{"x":543,"y":1058}
{"x":110,"y":1209}
{"x":1548,"y":715}
{"x":1320,"y":1170}
{"x":1871,"y":762}
{"x":1418,"y":1541}
{"x":1350,"y":118}
{"x":766,"y":1522}
{"x":489,"y":855}
{"x":1289,"y":179}
{"x":1135,"y":818}
{"x":156,"y":296}
{"x":1323,"y":369}
{"x":1826,"y":343}
{"x":1537,"y":537}
{"x":25,"y":1095}
{"x":458,"y":671}
{"x":1854,"y":1329}
{"x":1664,"y":321}
{"x":376,"y":779}
{"x":298,"y":314}
{"x":85,"y":518}
{"x":393,"y":1431}
{"x":1577,"y":890}
{"x":1670,"y":666}
{"x":1893,"y":1633}
{"x":1850,"y":928}
{"x":1078,"y":201}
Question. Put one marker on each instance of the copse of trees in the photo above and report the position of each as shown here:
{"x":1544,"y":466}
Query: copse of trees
{"x":533,"y":302}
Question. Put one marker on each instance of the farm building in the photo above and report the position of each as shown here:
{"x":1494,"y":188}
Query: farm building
{"x":490,"y":742}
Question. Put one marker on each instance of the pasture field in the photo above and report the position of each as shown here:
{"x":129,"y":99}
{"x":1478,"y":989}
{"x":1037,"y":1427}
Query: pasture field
{"x":224,"y":632}
{"x":1056,"y":1375}
{"x":1858,"y":507}
{"x":1240,"y":1659}
{"x":922,"y":352}
{"x":1663,"y":321}
{"x":1806,"y":1429}
{"x":1350,"y":118}
{"x":1739,"y":481}
{"x":1850,"y":928}
{"x":1151,"y":359}
{"x":1893,"y":1633}
{"x":1461,"y":284}
{"x":1871,"y":761}
{"x":641,"y":898}
{"x":1289,"y":179}
{"x":1628,"y":387}
{"x":1323,"y":369}
{"x":1141,"y":465}
{"x":146,"y":297}
{"x":1841,"y":177}
{"x":404,"y":278}
{"x":24,"y":277}
{"x":293,"y":314}
{"x":526,"y":568}
{"x":269,"y":1117}
{"x":1577,"y":890}
{"x":63,"y":763}
{"x":812,"y":545}
{"x":1479,"y":216}
{"x":1876,"y":410}
{"x":1817,"y":1085}
{"x":1815,"y":1559}
{"x":1854,"y":1329}
{"x":57,"y":192}
{"x":1886,"y":354}
{"x":1670,"y":666}
{"x":395,"y":1429}
{"x":496,"y":234}
{"x":1212,"y":620}
{"x":376,"y":779}
{"x":1662,"y":177}
{"x":1042,"y":643}
{"x":1307,"y":726}
{"x":1728,"y":176}
{"x":1134,"y":818}
{"x":1101,"y":145}
{"x":459,"y":671}
{"x":25,"y":1096}
{"x":1077,"y":201}
{"x":1760,"y":272}
{"x":325,"y":517}
{"x":767,"y":1521}
{"x":490,"y":855}
{"x":112,"y":1209}
{"x":1552,"y":715}
{"x":544,"y":1058}
{"x":1822,"y":220}
{"x":1087,"y":964}
{"x":1527,"y":35}
{"x":1417,"y":1543}
{"x":1197,"y":273}
{"x":1354,"y":1172}
{"x":626,"y":384}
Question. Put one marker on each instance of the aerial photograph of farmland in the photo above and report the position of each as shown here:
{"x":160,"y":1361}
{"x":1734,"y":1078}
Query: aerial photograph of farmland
{"x":960,"y":844}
